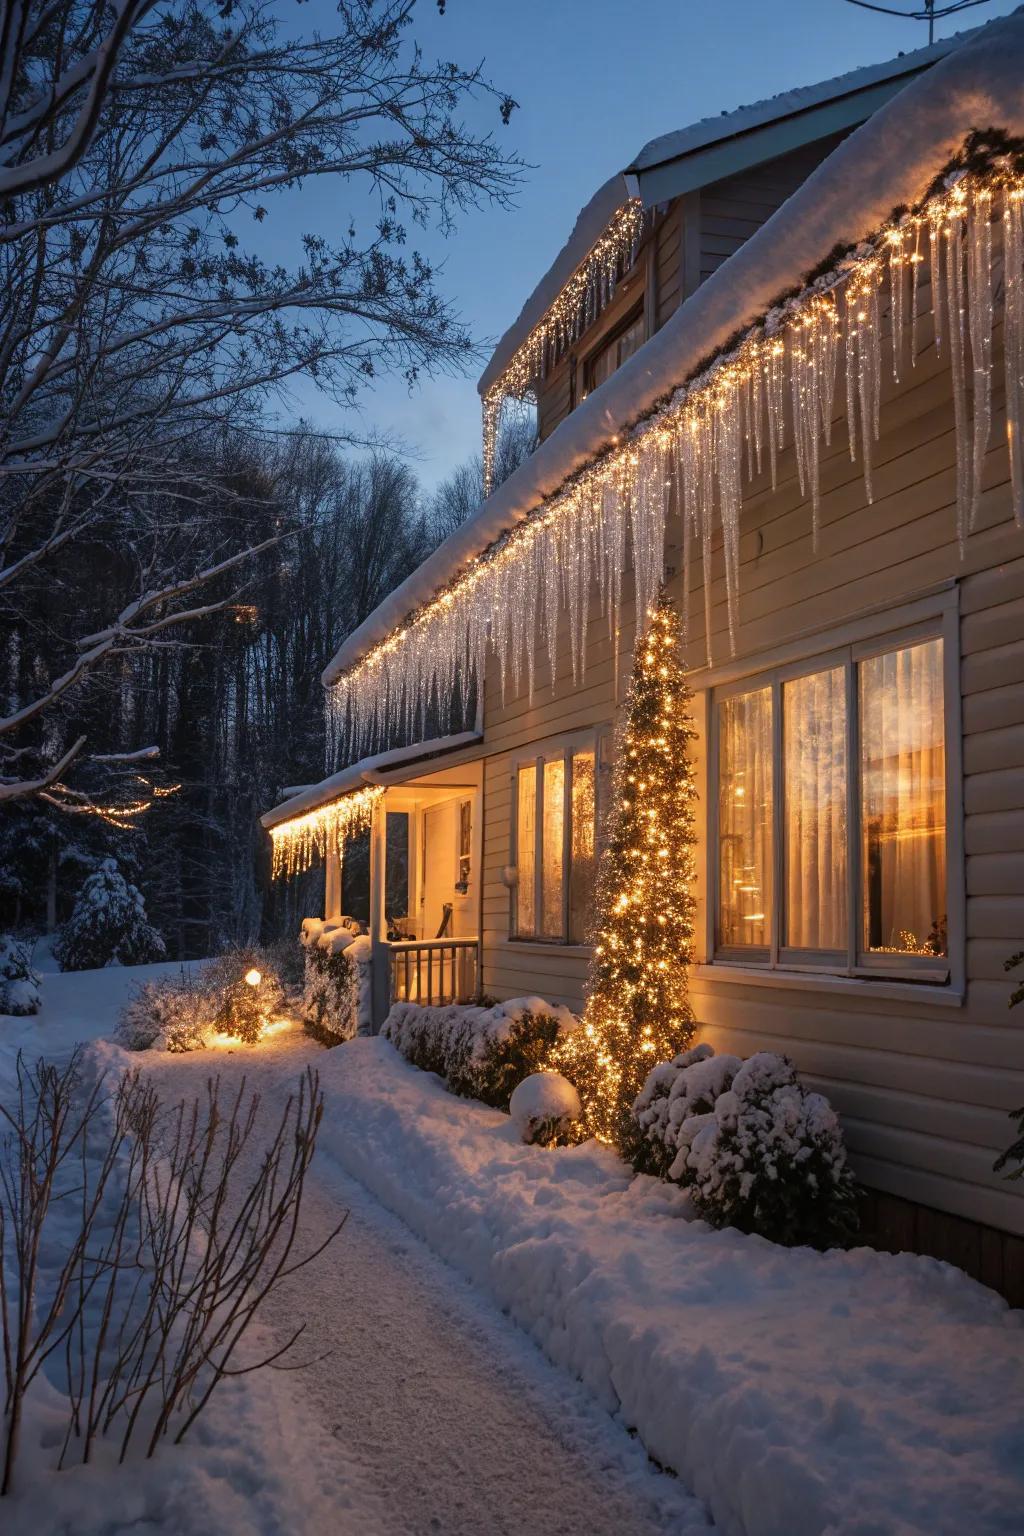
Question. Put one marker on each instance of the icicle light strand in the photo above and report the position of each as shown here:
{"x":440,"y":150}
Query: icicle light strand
{"x":585,"y":295}
{"x":778,"y":381}
{"x":300,"y":842}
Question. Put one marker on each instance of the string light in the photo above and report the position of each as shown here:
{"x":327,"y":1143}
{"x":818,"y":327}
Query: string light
{"x":577,"y":306}
{"x":776,"y":383}
{"x":303,"y":839}
{"x":637,"y":1012}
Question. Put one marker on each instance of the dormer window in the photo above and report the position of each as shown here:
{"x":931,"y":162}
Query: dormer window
{"x":611,"y":354}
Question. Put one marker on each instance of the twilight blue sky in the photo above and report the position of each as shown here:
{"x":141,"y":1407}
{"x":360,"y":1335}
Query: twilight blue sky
{"x":595,"y":80}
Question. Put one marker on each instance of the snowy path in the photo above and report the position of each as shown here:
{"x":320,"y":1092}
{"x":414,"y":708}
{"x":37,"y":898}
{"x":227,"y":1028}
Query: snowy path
{"x":445,"y":1407}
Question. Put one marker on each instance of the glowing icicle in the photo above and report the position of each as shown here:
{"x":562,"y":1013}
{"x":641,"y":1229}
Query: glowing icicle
{"x":1013,"y":341}
{"x":850,"y":357}
{"x":935,"y":271}
{"x":957,"y":338}
{"x":980,"y":314}
{"x":897,"y":271}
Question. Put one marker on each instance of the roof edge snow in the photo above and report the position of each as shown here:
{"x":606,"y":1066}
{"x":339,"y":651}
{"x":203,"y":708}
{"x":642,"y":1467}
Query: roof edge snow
{"x":888,"y":162}
{"x":648,"y":174}
{"x":369,"y":770}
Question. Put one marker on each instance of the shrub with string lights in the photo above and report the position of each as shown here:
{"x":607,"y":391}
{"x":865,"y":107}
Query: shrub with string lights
{"x":637,"y":1012}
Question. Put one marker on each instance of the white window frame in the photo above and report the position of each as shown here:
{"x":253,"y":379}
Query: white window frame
{"x":563,"y":748}
{"x":937,"y":617}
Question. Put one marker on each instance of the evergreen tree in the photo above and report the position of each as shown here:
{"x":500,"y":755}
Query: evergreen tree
{"x":107,"y":925}
{"x":637,"y":1012}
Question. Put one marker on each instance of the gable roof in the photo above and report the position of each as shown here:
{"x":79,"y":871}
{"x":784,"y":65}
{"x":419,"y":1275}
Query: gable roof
{"x":711,"y":149}
{"x":890,"y":161}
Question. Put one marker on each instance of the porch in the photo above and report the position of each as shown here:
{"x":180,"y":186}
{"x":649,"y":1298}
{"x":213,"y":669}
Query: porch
{"x":425,"y":847}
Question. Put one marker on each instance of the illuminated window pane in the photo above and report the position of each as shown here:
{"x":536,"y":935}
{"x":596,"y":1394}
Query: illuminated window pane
{"x":903,"y":801}
{"x":814,"y":730}
{"x":526,"y":828}
{"x":745,"y":819}
{"x":552,"y":873}
{"x":582,"y":853}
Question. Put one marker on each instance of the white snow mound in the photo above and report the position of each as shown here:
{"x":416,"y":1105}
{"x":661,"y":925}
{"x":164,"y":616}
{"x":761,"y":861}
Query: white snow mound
{"x":543,"y":1104}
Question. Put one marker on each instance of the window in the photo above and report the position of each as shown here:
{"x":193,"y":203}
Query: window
{"x":555,"y":840}
{"x":613,"y":353}
{"x":831,"y":813}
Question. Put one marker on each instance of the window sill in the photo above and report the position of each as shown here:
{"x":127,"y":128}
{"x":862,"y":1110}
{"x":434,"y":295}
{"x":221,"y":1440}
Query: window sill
{"x":924,"y":993}
{"x":549,"y":946}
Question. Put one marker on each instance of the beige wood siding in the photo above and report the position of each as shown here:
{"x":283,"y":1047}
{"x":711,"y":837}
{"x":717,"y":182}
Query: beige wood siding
{"x":923,"y":1085}
{"x":734,"y":209}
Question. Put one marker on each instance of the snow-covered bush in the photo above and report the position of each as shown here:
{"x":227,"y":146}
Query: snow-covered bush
{"x":173,"y":1013}
{"x":107,"y":925}
{"x":182,"y":1012}
{"x":544,"y":1108}
{"x":247,"y":992}
{"x":482,"y":1053}
{"x":754,"y":1148}
{"x":19,"y":984}
{"x":336,"y":1002}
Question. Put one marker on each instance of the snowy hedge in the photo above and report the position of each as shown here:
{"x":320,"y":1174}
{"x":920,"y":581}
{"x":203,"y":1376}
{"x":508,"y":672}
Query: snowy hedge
{"x":19,"y":984}
{"x":482,"y":1053}
{"x":336,"y":999}
{"x":753,"y":1147}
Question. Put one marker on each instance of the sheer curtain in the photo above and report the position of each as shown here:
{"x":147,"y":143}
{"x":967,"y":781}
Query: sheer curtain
{"x":745,"y":819}
{"x":903,"y":790}
{"x":526,"y":848}
{"x":814,"y":732}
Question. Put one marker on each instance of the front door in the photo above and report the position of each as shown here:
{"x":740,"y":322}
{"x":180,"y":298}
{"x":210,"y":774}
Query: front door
{"x":437,"y":889}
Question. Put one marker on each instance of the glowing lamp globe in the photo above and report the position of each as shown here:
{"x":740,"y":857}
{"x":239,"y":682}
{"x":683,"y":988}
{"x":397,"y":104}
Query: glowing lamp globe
{"x":253,"y":977}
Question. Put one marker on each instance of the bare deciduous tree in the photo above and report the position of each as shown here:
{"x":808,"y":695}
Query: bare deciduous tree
{"x":137,"y":142}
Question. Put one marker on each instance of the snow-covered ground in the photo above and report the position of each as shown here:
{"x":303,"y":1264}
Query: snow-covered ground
{"x":421,"y":1407}
{"x":853,"y":1394}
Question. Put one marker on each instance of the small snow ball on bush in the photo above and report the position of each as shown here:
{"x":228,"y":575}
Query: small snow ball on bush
{"x":107,"y":925}
{"x":544,"y":1108}
{"x":755,"y":1149}
{"x":19,"y":984}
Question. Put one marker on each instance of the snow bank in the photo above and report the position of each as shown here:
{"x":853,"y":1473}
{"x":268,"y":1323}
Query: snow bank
{"x":798,"y":1393}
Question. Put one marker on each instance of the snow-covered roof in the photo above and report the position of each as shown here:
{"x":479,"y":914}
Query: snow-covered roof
{"x":369,"y":770}
{"x":887,"y":162}
{"x":656,"y":173}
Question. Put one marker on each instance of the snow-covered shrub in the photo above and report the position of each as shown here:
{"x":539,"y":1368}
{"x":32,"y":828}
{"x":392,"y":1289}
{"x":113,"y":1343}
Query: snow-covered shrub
{"x":336,"y":988}
{"x":19,"y":984}
{"x":675,"y":1091}
{"x":107,"y":925}
{"x":544,"y":1108}
{"x":246,"y":990}
{"x":173,"y":1013}
{"x":755,"y":1149}
{"x":482,"y":1053}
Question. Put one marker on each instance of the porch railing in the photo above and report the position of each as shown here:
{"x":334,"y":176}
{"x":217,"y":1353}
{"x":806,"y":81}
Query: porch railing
{"x":434,"y":971}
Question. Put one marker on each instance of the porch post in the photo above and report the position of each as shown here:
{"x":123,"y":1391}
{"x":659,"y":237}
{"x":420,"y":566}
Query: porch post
{"x":380,"y":976}
{"x":332,"y":884}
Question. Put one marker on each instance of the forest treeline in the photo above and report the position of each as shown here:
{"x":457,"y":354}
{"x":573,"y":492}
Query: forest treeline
{"x":232,"y":701}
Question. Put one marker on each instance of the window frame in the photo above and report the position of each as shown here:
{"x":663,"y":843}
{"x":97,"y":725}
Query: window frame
{"x":563,"y":748}
{"x":883,"y":633}
{"x":638,"y":312}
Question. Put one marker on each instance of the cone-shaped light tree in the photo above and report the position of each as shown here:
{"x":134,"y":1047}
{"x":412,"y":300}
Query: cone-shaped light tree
{"x":637,"y":1011}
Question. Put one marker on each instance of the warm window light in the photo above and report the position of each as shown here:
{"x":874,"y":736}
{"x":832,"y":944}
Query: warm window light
{"x":253,"y":977}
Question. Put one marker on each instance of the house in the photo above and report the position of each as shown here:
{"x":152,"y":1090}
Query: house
{"x":779,"y":363}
